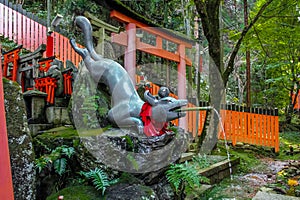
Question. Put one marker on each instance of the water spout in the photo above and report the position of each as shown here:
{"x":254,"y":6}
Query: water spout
{"x":225,"y":141}
{"x":194,"y":109}
{"x":222,"y":127}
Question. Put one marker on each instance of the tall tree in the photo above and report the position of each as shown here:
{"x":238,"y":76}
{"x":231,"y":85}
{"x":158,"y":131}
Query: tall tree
{"x":277,"y":42}
{"x":209,"y":12}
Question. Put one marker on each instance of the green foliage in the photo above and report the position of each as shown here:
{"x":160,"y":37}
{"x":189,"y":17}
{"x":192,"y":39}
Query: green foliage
{"x":99,"y":179}
{"x":185,"y":177}
{"x":201,"y":161}
{"x":275,"y":41}
{"x":57,"y":158}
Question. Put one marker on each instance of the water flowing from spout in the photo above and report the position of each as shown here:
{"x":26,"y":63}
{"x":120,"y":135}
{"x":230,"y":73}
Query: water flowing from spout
{"x":225,"y":141}
{"x":222,"y":129}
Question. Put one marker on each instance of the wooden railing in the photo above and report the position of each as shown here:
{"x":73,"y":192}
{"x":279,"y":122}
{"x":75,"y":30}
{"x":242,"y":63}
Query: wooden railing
{"x":24,"y":28}
{"x":250,"y":125}
{"x":238,"y":124}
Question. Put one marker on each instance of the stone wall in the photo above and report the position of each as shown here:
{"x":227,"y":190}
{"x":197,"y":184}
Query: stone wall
{"x":20,"y":142}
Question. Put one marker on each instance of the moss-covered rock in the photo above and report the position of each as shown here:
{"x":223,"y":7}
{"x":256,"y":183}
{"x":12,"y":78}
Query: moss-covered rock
{"x":123,"y":191}
{"x":78,"y":193}
{"x":20,"y":142}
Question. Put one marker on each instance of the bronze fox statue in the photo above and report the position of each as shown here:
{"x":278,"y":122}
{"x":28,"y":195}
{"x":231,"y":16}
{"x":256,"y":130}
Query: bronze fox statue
{"x":126,"y":104}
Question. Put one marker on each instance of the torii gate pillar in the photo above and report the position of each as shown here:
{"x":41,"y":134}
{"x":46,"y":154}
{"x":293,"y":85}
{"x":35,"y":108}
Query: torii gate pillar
{"x":182,"y":81}
{"x":6,"y":191}
{"x":130,"y":52}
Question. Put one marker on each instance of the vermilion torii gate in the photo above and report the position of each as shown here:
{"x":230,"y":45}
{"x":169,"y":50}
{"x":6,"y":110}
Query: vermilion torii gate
{"x":133,"y":43}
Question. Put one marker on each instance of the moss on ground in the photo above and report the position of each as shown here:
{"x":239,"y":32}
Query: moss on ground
{"x":289,"y":146}
{"x":78,"y":193}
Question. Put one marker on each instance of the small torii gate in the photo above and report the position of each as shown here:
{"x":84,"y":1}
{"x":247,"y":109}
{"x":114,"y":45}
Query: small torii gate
{"x":133,"y":43}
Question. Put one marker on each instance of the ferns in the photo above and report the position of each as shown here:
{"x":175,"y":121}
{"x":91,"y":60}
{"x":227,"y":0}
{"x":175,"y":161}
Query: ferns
{"x":57,"y":157}
{"x":99,"y":179}
{"x":184,"y":177}
{"x":60,"y":165}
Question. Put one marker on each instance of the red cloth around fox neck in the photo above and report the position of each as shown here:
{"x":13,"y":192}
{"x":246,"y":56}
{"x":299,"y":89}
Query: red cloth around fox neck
{"x":152,"y":128}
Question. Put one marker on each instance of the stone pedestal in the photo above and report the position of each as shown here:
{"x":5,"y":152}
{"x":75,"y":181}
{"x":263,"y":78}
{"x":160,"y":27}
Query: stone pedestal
{"x":35,"y":106}
{"x":58,"y":116}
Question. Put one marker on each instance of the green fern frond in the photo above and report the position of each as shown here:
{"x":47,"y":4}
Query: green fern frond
{"x":99,"y":179}
{"x":69,"y":151}
{"x":60,"y":166}
{"x":184,"y":174}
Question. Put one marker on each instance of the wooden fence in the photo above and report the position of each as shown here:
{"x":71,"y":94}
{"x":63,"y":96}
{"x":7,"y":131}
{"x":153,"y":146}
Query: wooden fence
{"x":24,"y":28}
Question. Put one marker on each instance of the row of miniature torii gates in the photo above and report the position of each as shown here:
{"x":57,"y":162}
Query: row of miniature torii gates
{"x":132,"y":43}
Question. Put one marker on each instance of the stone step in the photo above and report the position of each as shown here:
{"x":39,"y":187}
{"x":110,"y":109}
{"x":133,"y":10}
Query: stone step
{"x":271,"y":196}
{"x":199,"y":191}
{"x":186,"y":156}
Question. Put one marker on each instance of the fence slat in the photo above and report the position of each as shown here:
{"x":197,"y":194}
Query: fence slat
{"x":56,"y":43}
{"x":10,"y":24}
{"x":268,"y":135}
{"x":276,"y":131}
{"x":36,"y":35}
{"x":32,"y":35}
{"x":66,"y":47}
{"x":5,"y":21}
{"x":19,"y":31}
{"x":2,"y":17}
{"x":15,"y":26}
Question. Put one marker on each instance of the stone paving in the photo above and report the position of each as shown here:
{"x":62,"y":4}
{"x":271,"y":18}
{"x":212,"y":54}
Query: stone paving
{"x":270,"y":196}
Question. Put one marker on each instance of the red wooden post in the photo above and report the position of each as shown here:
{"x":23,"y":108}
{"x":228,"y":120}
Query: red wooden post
{"x":6,"y":191}
{"x":182,"y":81}
{"x":130,"y":52}
{"x":49,"y":45}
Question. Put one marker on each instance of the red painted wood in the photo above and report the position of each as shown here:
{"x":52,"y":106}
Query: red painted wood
{"x":49,"y":46}
{"x":40,"y":27}
{"x":15,"y":26}
{"x":120,"y":38}
{"x":56,"y":43}
{"x":10,"y":24}
{"x":6,"y":191}
{"x":1,"y":19}
{"x":24,"y":32}
{"x":70,"y":52}
{"x":72,"y":56}
{"x":66,"y":40}
{"x":5,"y":21}
{"x":130,"y":52}
{"x":182,"y":81}
{"x":156,"y":31}
{"x":32,"y":35}
{"x":19,"y":29}
{"x":61,"y":48}
{"x":44,"y":36}
{"x":36,"y":35}
{"x":27,"y":38}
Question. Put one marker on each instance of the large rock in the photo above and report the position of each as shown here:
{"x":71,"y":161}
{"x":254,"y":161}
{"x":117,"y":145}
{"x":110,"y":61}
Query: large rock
{"x":20,"y":142}
{"x":124,"y":191}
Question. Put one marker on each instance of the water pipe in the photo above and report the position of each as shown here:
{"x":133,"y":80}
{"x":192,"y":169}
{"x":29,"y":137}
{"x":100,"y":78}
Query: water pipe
{"x":194,"y":109}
